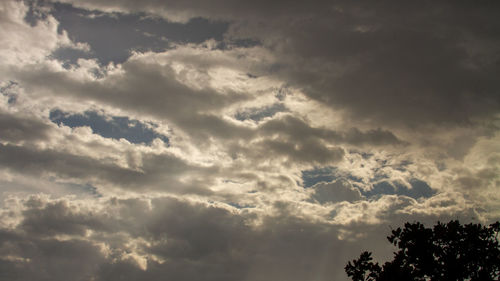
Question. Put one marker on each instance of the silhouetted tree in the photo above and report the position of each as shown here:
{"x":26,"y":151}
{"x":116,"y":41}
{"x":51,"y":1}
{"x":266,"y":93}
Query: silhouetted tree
{"x":446,"y":252}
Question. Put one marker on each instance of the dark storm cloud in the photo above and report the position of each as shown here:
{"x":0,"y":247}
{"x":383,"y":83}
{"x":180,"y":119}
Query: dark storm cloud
{"x":216,"y":9}
{"x":400,"y":63}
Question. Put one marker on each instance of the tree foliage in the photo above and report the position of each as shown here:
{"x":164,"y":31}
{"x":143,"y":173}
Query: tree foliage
{"x":448,"y":251}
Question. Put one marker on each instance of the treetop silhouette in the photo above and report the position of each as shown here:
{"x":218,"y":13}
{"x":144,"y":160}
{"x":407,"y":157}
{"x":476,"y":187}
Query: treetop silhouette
{"x":448,"y":252}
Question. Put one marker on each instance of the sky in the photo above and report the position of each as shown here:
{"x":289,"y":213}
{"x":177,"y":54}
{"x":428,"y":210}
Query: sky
{"x":239,"y":140}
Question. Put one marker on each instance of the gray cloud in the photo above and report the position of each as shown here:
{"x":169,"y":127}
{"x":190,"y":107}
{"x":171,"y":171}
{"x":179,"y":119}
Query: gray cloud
{"x":406,"y":64}
{"x":335,"y":191}
{"x":218,"y":9}
{"x":286,"y":156}
{"x":162,"y":238}
{"x":144,"y":88}
{"x":297,"y":129}
{"x":27,"y":258}
{"x":312,"y":151}
{"x":158,"y":171}
{"x":15,"y":128}
{"x":57,"y":219}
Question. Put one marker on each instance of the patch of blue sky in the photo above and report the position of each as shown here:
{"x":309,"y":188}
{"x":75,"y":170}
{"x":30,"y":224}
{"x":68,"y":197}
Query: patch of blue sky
{"x":112,"y":37}
{"x":238,"y":42}
{"x":86,"y":188}
{"x":326,"y":174}
{"x":316,"y":175}
{"x":382,"y":185}
{"x":354,"y":178}
{"x":257,"y":114}
{"x":241,"y":206}
{"x":378,"y":176}
{"x":418,"y":189}
{"x":114,"y":127}
{"x":8,"y":92}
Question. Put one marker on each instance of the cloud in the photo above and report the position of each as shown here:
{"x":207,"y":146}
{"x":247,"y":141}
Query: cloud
{"x":47,"y":259}
{"x":296,"y":128}
{"x":178,"y":238}
{"x":117,"y":127}
{"x":15,"y":128}
{"x":161,"y":172}
{"x":144,"y":86}
{"x":185,"y":11}
{"x":257,"y":114}
{"x":23,"y":43}
{"x":377,"y":63}
{"x":282,"y":157}
{"x":196,"y":90}
{"x":414,"y":188}
{"x":336,"y":191}
{"x":130,"y":32}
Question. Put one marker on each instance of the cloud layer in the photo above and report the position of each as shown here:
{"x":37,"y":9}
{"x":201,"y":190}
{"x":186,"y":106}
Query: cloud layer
{"x":263,"y":142}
